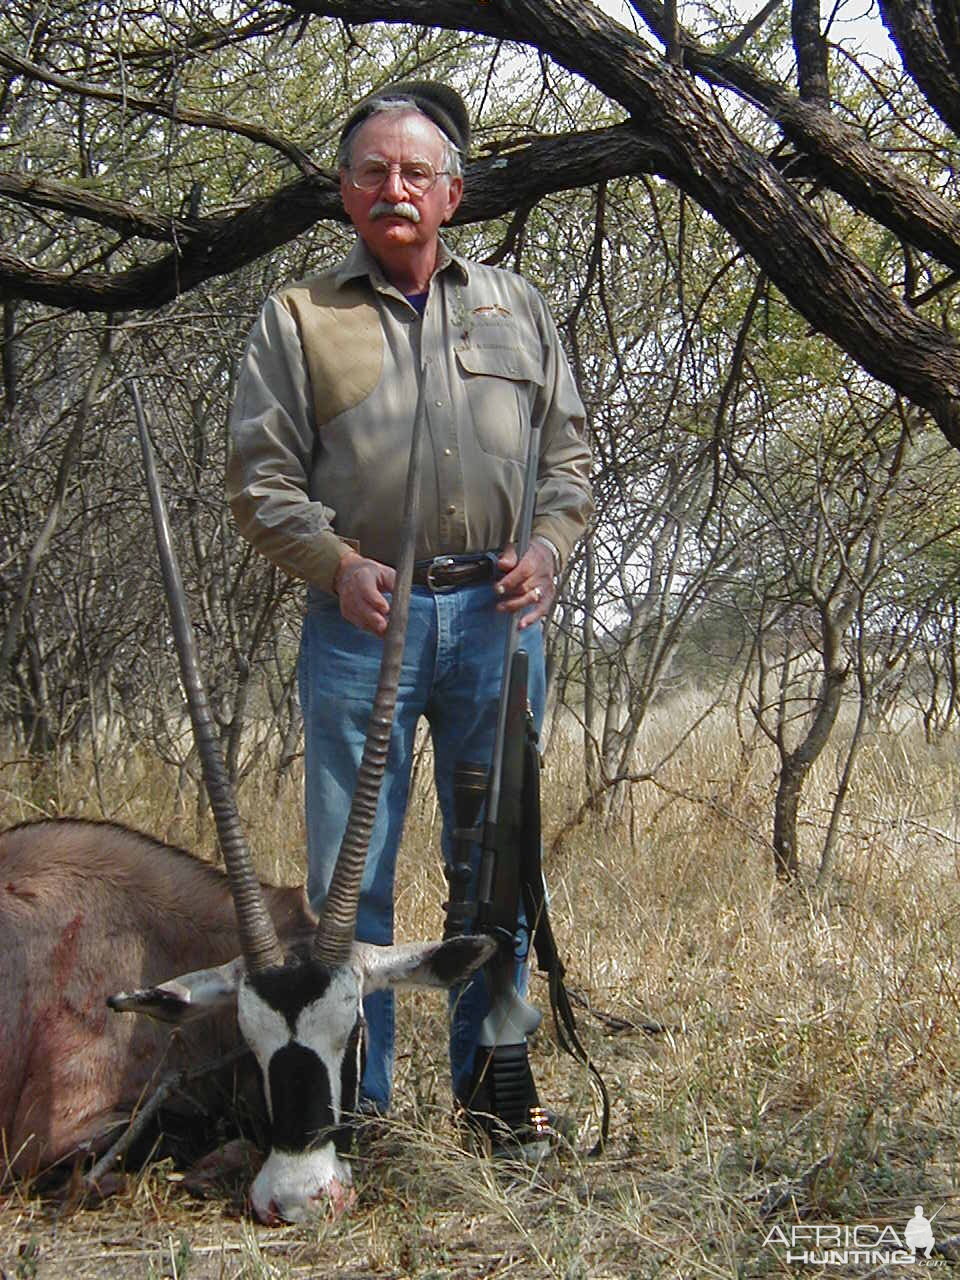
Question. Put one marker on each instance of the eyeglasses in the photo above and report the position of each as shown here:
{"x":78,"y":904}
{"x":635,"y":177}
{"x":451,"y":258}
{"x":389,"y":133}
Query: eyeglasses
{"x":419,"y":176}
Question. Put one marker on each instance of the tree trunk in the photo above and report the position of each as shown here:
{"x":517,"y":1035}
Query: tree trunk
{"x":794,"y":767}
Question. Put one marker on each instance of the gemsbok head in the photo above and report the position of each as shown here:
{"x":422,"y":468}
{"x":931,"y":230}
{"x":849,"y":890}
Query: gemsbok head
{"x":301,"y":1011}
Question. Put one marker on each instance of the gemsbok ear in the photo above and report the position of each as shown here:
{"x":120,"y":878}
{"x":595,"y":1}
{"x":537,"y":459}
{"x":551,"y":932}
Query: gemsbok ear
{"x":183,"y":999}
{"x":423,"y":964}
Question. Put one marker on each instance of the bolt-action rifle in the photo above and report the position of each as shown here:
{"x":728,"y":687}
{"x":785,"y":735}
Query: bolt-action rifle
{"x":503,"y":1098}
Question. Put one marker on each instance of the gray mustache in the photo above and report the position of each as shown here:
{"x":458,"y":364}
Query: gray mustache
{"x":384,"y":209}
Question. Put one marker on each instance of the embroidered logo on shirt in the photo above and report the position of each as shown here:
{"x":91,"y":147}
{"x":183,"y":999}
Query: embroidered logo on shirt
{"x":494,"y":309}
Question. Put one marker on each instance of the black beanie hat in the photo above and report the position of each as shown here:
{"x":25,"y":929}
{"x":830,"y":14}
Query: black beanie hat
{"x":437,"y":101}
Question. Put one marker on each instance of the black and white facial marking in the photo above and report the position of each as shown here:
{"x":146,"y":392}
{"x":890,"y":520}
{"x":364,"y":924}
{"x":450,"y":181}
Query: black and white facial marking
{"x":304,"y":1023}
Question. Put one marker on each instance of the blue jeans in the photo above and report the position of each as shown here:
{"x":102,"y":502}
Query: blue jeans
{"x":452,"y":669}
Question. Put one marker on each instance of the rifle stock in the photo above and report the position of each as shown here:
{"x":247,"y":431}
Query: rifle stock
{"x":503,"y":1100}
{"x":503,"y":1097}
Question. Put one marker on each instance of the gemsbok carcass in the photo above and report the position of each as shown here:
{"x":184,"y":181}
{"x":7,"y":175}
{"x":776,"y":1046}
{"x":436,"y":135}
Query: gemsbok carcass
{"x":87,"y":907}
{"x":299,"y":1007}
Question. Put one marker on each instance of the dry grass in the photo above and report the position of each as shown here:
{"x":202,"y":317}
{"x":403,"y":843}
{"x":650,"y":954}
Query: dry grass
{"x":807,"y":1072}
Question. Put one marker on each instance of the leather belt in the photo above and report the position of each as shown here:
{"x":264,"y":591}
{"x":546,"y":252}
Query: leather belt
{"x":446,"y":573}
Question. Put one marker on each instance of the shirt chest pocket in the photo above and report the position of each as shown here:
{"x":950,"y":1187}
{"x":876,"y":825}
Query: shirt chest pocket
{"x":499,"y":385}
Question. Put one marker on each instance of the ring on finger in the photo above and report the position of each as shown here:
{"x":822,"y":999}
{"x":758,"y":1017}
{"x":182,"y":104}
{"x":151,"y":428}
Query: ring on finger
{"x":538,"y":594}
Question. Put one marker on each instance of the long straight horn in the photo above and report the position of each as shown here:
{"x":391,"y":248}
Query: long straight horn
{"x":338,"y":915}
{"x":258,"y":938}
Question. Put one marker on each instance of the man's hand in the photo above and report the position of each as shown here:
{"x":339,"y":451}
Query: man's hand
{"x":526,"y":585}
{"x":360,"y":585}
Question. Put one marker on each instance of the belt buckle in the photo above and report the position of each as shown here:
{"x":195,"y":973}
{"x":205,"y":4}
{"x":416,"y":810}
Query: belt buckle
{"x":439,"y":562}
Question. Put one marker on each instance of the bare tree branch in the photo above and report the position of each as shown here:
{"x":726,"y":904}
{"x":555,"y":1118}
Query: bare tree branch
{"x":810,"y":47}
{"x":169,"y":110}
{"x":914,"y":28}
{"x":750,"y":29}
{"x":835,"y":152}
{"x":947,"y":18}
{"x":76,"y":202}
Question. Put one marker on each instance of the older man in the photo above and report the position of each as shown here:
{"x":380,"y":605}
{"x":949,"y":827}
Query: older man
{"x":321,"y":429}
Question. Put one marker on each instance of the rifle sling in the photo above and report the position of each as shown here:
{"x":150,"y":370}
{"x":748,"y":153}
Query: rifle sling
{"x":533,"y":888}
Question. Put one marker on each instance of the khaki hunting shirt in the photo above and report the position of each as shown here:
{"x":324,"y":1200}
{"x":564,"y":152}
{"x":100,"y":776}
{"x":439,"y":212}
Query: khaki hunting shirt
{"x":323,"y":416}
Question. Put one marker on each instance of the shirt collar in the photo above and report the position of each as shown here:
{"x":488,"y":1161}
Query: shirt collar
{"x":361,"y":262}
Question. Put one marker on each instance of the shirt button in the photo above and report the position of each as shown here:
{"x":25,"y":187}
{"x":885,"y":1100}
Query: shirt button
{"x":438,"y":403}
{"x":451,"y":511}
{"x":447,"y":453}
